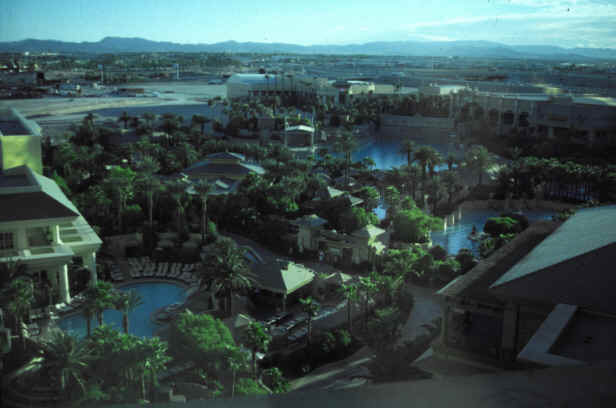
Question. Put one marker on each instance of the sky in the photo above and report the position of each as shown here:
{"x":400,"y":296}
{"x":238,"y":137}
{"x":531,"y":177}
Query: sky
{"x":566,"y":23}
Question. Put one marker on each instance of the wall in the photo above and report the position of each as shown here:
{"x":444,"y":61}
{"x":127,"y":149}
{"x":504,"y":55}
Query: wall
{"x":417,"y":126}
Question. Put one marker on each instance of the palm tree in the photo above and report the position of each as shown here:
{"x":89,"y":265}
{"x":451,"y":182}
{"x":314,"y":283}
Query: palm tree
{"x":67,"y":356}
{"x":257,"y":340}
{"x":203,"y":188}
{"x":177,"y":191}
{"x":479,"y":158}
{"x":201,"y":121}
{"x":124,"y":118}
{"x":126,"y":303}
{"x":120,"y":181}
{"x":450,"y":160}
{"x":408,"y":147}
{"x":351,"y":294}
{"x":311,"y":308}
{"x":346,"y":143}
{"x":225,"y":266}
{"x":148,"y":118}
{"x":450,"y":180}
{"x":147,"y":180}
{"x":18,"y":298}
{"x":99,"y":298}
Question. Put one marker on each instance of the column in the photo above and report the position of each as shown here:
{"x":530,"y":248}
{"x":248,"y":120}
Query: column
{"x":90,"y":262}
{"x":444,"y":324}
{"x":22,"y":239}
{"x":55,"y":234}
{"x":65,"y":295}
{"x":510,"y":331}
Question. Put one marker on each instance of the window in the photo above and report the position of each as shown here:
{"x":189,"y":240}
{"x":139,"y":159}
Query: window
{"x":6,"y":240}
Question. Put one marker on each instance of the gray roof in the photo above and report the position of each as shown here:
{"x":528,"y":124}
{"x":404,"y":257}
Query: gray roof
{"x":226,"y":156}
{"x":219,"y":169}
{"x":41,"y":198}
{"x":588,"y":230}
{"x":282,"y":276}
{"x":311,"y":220}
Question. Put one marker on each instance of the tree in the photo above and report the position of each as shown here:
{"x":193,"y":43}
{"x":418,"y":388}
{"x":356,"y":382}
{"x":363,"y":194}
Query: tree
{"x":311,"y":308}
{"x":427,"y":158}
{"x":350,"y":292}
{"x":177,"y":192}
{"x":18,"y":297}
{"x":414,"y":225}
{"x":225,"y":266}
{"x":199,"y":337}
{"x":147,"y":180}
{"x":257,"y":340}
{"x":99,"y":298}
{"x":480,"y":159}
{"x":384,"y":328}
{"x":450,"y":181}
{"x":121,"y":183}
{"x":200,"y":120}
{"x":67,"y":356}
{"x":347,"y":144}
{"x":408,"y":147}
{"x":435,"y":188}
{"x":126,"y":302}
{"x":124,"y":118}
{"x":202,"y":188}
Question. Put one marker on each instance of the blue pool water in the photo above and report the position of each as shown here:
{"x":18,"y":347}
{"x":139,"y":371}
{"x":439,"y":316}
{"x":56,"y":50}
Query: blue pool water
{"x":154,"y":296}
{"x":455,"y":237}
{"x":386,"y":153}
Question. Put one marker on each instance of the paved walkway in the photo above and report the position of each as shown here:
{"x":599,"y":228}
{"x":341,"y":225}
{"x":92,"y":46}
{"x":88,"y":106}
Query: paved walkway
{"x":427,"y":307}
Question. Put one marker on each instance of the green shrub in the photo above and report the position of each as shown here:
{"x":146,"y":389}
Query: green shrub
{"x":438,"y":253}
{"x":248,"y":386}
{"x":501,"y":225}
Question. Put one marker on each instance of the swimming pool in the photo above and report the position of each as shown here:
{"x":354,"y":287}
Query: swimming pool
{"x":455,"y":237}
{"x":154,"y":296}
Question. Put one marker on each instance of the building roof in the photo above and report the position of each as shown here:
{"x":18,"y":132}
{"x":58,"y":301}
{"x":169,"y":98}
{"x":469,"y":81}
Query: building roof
{"x":251,"y":79}
{"x":35,"y":197}
{"x":475,"y":283}
{"x":282,"y":276}
{"x":226,"y":156}
{"x":588,"y":230}
{"x":206,"y":167}
{"x":311,"y":220}
{"x":301,"y":128}
{"x":369,"y":231}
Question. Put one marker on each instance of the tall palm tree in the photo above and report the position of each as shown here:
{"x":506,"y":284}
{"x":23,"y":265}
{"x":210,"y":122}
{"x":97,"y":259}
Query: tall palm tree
{"x":126,"y":302}
{"x":408,"y":147}
{"x":177,"y":191}
{"x":18,"y":297}
{"x":124,"y":118}
{"x":120,"y":181}
{"x":225,"y":269}
{"x":99,"y":298}
{"x":351,"y":294}
{"x":201,"y":121}
{"x":347,"y":144}
{"x":203,"y":188}
{"x":67,"y":356}
{"x":480,"y":159}
{"x":147,"y":180}
{"x":311,"y":308}
{"x":257,"y":340}
{"x":450,"y":181}
{"x":148,"y":118}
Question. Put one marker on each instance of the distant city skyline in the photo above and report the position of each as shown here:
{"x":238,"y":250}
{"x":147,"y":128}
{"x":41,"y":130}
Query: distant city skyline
{"x":565,"y":23}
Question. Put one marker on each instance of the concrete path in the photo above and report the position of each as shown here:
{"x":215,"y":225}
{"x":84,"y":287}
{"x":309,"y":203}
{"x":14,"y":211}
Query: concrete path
{"x":427,"y":307}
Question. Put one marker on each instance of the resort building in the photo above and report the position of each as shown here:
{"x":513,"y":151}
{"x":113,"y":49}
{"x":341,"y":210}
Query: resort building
{"x":326,"y":91}
{"x":39,"y":226}
{"x":545,"y":298}
{"x":41,"y":229}
{"x":225,"y":166}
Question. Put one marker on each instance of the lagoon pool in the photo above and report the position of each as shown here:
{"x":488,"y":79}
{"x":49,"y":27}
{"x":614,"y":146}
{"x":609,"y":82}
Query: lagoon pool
{"x":154,"y":296}
{"x":455,"y":237}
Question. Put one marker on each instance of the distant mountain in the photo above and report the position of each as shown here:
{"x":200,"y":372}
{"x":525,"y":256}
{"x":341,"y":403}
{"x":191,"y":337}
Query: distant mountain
{"x":403,"y":48}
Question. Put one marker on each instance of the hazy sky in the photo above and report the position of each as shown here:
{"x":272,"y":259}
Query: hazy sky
{"x":568,"y":23}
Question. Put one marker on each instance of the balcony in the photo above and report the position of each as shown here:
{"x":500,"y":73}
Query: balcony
{"x":38,"y":254}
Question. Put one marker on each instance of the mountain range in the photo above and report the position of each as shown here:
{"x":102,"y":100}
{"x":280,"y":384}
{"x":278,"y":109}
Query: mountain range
{"x":399,"y":48}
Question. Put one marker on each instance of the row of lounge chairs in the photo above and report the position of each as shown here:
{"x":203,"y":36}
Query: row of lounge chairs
{"x":57,"y":309}
{"x":145,"y":268}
